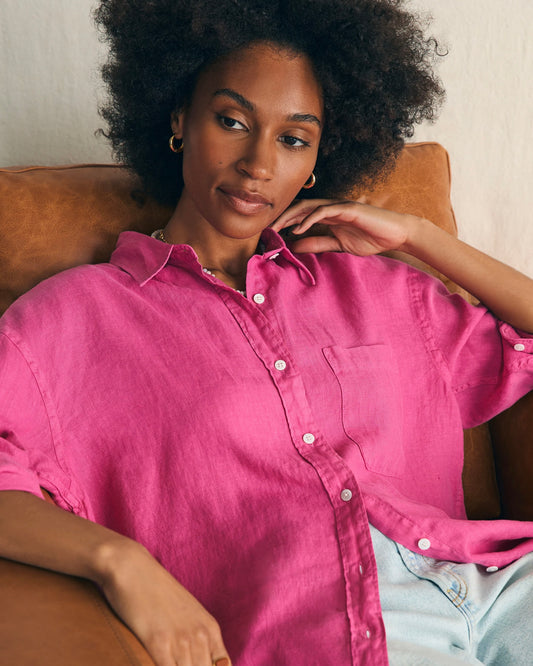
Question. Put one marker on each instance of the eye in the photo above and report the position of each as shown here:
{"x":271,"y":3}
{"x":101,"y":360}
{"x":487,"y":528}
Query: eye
{"x":230,"y":123}
{"x":294,"y":142}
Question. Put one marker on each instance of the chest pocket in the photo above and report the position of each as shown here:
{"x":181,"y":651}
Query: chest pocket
{"x":371,"y":404}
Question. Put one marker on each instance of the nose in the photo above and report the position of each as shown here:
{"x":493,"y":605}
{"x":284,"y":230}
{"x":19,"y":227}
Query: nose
{"x":258,"y":160}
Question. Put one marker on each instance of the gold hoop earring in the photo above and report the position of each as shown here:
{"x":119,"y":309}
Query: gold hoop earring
{"x":172,"y":145}
{"x":310,"y":183}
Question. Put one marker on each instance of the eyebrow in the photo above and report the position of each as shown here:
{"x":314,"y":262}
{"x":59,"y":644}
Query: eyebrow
{"x":246,"y":104}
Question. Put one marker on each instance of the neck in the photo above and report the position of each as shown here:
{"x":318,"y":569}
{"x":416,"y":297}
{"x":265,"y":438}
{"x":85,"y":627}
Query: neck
{"x":225,"y":257}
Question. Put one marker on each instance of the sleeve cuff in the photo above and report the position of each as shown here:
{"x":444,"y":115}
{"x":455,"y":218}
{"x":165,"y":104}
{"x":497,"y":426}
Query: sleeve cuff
{"x":518,"y":340}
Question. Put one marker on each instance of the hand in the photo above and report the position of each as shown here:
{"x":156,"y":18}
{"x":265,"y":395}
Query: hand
{"x":362,"y":230}
{"x":352,"y":227}
{"x":173,"y":626}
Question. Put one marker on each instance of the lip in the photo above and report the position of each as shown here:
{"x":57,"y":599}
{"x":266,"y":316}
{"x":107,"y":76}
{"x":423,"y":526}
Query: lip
{"x":244,"y":201}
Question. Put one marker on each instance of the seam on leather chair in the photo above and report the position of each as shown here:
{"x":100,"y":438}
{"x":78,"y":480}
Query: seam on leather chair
{"x":106,"y":613}
{"x":449,"y":166}
{"x":60,"y":167}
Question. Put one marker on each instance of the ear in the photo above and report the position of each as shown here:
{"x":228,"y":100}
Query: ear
{"x":176,"y":122}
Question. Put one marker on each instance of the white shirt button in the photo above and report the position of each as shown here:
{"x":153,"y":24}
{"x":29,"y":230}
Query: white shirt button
{"x":346,"y":495}
{"x":274,"y":256}
{"x":280,"y":365}
{"x":492,"y":569}
{"x":309,"y":438}
{"x":424,"y":544}
{"x":520,"y":347}
{"x":368,"y":634}
{"x":259,"y":299}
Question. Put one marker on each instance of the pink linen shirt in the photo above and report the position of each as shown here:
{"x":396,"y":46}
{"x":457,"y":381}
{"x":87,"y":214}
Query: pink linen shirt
{"x":247,"y":441}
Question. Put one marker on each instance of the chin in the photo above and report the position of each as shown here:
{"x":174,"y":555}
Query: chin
{"x":243,"y":228}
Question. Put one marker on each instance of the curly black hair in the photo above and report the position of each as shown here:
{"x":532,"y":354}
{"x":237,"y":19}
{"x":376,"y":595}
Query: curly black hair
{"x":371,"y":57}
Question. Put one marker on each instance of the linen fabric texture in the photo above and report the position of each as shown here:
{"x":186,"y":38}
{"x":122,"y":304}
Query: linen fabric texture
{"x":247,"y":442}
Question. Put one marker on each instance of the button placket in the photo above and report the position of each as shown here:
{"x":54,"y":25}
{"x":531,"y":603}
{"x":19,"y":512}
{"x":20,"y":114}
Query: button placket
{"x":335,"y":475}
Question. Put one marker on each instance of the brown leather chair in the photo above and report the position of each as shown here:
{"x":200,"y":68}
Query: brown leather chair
{"x":52,"y":218}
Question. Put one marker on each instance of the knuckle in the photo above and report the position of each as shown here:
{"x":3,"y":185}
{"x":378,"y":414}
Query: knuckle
{"x":183,"y":643}
{"x":216,"y":634}
{"x":201,"y":634}
{"x":161,"y":640}
{"x":160,"y":648}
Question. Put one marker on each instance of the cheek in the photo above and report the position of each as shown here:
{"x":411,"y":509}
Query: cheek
{"x":296,"y":168}
{"x":293,"y":179}
{"x":202,"y":160}
{"x":206,"y":147}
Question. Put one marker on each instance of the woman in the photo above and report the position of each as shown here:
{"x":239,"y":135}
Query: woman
{"x":223,"y":416}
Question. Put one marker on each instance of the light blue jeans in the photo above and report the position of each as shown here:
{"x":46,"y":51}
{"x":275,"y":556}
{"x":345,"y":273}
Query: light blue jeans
{"x":442,"y":613}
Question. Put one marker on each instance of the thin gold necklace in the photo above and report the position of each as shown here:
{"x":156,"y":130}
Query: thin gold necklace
{"x":160,"y":235}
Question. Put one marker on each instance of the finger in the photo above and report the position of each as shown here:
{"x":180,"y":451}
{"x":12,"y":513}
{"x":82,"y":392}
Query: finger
{"x":163,"y":652}
{"x":218,"y":650}
{"x":199,"y":651}
{"x":295,"y":217}
{"x":297,"y":212}
{"x":331,"y":215}
{"x":317,"y":217}
{"x":316,"y":244}
{"x":221,"y":661}
{"x":300,"y":222}
{"x":183,"y":655}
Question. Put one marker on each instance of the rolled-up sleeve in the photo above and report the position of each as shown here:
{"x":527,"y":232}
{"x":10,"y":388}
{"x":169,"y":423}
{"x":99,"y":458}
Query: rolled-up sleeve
{"x":488,"y":363}
{"x":27,"y":459}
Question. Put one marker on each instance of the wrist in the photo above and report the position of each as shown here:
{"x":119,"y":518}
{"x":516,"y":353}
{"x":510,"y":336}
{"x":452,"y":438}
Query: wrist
{"x":417,"y":237}
{"x":111,"y":557}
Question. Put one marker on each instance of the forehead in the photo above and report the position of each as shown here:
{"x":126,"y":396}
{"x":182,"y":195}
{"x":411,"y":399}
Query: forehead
{"x":272,"y":78}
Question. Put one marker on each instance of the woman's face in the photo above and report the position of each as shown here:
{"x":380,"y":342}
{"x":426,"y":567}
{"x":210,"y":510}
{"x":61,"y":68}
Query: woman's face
{"x":250,"y":136}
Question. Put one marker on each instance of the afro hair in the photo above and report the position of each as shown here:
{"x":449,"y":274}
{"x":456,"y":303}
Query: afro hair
{"x":371,"y":57}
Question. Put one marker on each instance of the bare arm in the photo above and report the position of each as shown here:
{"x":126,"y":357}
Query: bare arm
{"x":505,"y":291}
{"x":364,"y":230}
{"x":169,"y":621}
{"x":36,"y":532}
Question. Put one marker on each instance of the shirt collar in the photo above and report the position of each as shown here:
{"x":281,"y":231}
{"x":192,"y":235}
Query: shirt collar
{"x":143,"y":257}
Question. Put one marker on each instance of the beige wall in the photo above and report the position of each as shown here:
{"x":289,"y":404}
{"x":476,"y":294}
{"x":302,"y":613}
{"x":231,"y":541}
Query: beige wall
{"x":49,"y":56}
{"x":487,"y":122}
{"x":49,"y":78}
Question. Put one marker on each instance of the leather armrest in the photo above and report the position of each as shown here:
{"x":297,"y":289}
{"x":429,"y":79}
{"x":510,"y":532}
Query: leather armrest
{"x":49,"y":619}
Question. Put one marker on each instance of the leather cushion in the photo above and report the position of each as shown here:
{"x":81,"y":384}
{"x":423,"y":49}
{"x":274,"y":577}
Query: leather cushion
{"x":52,"y":218}
{"x":47,"y":618}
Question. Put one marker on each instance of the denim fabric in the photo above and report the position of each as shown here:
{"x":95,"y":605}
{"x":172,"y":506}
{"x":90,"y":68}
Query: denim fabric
{"x":443,"y":613}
